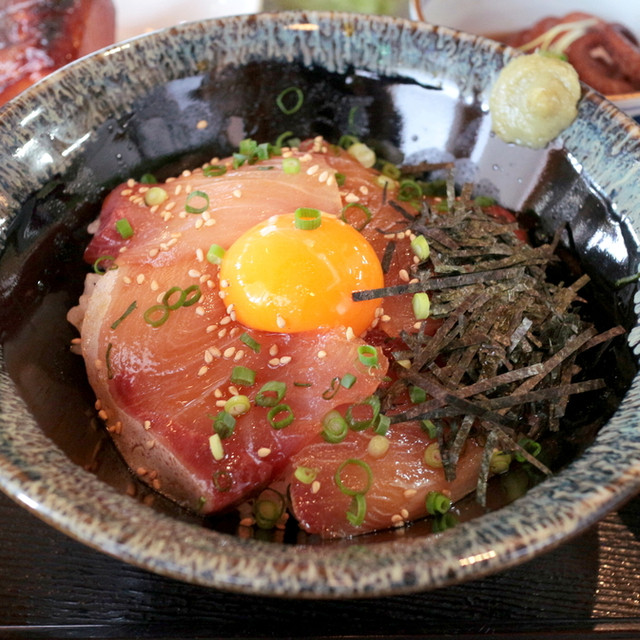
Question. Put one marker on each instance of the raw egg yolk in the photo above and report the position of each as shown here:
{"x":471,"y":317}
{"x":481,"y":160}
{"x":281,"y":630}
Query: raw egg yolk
{"x":281,"y":278}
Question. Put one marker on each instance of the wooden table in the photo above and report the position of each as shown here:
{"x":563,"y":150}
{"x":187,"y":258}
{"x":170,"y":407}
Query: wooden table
{"x":54,"y":587}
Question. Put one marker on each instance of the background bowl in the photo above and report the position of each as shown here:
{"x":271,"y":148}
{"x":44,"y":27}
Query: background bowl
{"x":492,"y":18}
{"x":135,"y":107}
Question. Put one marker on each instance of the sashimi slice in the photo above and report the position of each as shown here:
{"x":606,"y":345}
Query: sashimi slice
{"x":400,"y":481}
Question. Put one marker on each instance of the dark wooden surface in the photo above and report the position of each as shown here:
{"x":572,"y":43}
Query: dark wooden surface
{"x":54,"y":587}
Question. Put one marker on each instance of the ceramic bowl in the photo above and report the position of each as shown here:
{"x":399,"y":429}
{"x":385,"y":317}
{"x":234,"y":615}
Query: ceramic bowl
{"x":495,"y":17}
{"x":135,"y":107}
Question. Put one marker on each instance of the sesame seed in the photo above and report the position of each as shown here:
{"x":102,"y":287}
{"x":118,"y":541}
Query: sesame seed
{"x":225,"y":320}
{"x":200,"y":311}
{"x":351,"y":197}
{"x":313,"y":169}
{"x":131,"y":183}
{"x":273,"y":350}
{"x":199,"y":223}
{"x":102,"y":414}
{"x":209,"y":223}
{"x":140,"y":278}
{"x":141,"y":471}
{"x":233,"y":390}
{"x":220,"y":403}
{"x":217,"y":393}
{"x":156,"y":484}
{"x":237,"y":193}
{"x":330,"y":180}
{"x":154,"y":285}
{"x":404,"y":275}
{"x":364,"y":190}
{"x":202,"y":370}
{"x":215,"y":352}
{"x":177,"y":190}
{"x":397,"y":518}
{"x":263,"y":452}
{"x":323,"y":176}
{"x":322,"y":354}
{"x":385,"y":318}
{"x":202,"y":124}
{"x":404,"y":513}
{"x":350,"y":334}
{"x":222,"y":333}
{"x":149,"y":444}
{"x":228,"y":352}
{"x":285,"y":359}
{"x":409,"y":493}
{"x":239,"y":355}
{"x":211,"y":328}
{"x":126,"y":192}
{"x":280,"y":321}
{"x":247,"y":522}
{"x":147,"y":424}
{"x":127,"y":280}
{"x":274,"y":362}
{"x":153,"y":253}
{"x":170,"y":205}
{"x":315,"y":486}
{"x":199,"y":255}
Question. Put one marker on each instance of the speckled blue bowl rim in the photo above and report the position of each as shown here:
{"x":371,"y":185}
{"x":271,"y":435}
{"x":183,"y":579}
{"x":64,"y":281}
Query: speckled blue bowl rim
{"x":39,"y":476}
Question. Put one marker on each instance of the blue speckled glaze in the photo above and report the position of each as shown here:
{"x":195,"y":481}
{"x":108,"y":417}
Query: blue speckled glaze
{"x":55,"y":130}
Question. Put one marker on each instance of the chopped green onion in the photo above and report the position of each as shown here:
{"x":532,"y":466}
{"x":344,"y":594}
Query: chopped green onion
{"x":417,"y":395}
{"x":372,"y":404}
{"x":215,"y":445}
{"x":409,"y":190}
{"x":124,"y":228}
{"x":437,"y":503}
{"x":248,"y":147}
{"x":385,"y":182}
{"x":215,"y":254}
{"x":271,"y":393}
{"x":530,"y":446}
{"x":421,"y":305}
{"x":281,"y":138}
{"x":253,"y":344}
{"x":378,"y":446}
{"x":191,"y":295}
{"x":347,"y":141}
{"x":243,"y":376}
{"x":350,"y":491}
{"x":196,"y":195}
{"x":302,"y":384}
{"x":284,"y":96}
{"x":223,"y":424}
{"x":391,"y":171}
{"x":155,"y":196}
{"x":148,"y":178}
{"x":267,"y":512}
{"x":166,"y":298}
{"x":429,"y":428}
{"x":348,"y":380}
{"x":334,"y":427}
{"x":307,"y":219}
{"x":306,"y":475}
{"x":442,"y":523}
{"x":359,"y":207}
{"x":291,"y":166}
{"x":334,"y":387}
{"x":368,"y":355}
{"x":128,"y":310}
{"x":381,"y":424}
{"x":432,"y":456}
{"x":237,"y":405}
{"x":274,"y":412}
{"x":222,"y":480}
{"x":214,"y":170}
{"x":156,"y":315}
{"x":340,"y":178}
{"x":365,"y":155}
{"x":96,"y":264}
{"x":500,"y":462}
{"x":358,"y":510}
{"x":420,"y":247}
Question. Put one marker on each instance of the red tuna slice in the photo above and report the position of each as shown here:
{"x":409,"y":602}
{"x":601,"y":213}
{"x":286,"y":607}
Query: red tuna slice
{"x":158,"y":387}
{"x":234,"y":202}
{"x":400,"y":481}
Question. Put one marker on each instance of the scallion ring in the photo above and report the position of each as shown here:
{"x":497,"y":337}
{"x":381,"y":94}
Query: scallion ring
{"x":271,"y":393}
{"x":348,"y":380}
{"x":237,"y":405}
{"x":243,"y":376}
{"x":307,"y":219}
{"x":222,"y":480}
{"x":196,"y":195}
{"x":284,"y":96}
{"x":214,"y":170}
{"x":368,"y":355}
{"x":215,"y":254}
{"x":224,"y":424}
{"x":166,"y":298}
{"x":191,"y":295}
{"x":358,"y":510}
{"x":350,"y":491}
{"x":281,"y":139}
{"x":306,"y":475}
{"x":421,"y":305}
{"x":334,"y":427}
{"x":334,"y":387}
{"x":253,"y":344}
{"x":371,"y":405}
{"x":124,"y":228}
{"x":100,"y":260}
{"x":267,"y":511}
{"x":409,"y":191}
{"x":437,"y":503}
{"x":291,"y":166}
{"x":360,"y":207}
{"x":156,"y":315}
{"x":280,"y":409}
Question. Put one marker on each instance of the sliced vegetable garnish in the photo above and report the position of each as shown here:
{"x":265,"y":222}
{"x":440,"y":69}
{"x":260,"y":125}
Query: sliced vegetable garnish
{"x":271,"y":393}
{"x":358,"y":510}
{"x":197,"y":202}
{"x":237,"y":405}
{"x":307,"y":219}
{"x":243,"y":376}
{"x":291,"y":166}
{"x":130,"y":309}
{"x":222,"y":480}
{"x":155,"y":196}
{"x":334,"y":427}
{"x":215,"y":254}
{"x":106,"y":259}
{"x":437,"y":503}
{"x":224,"y":424}
{"x":124,"y":228}
{"x":280,"y":416}
{"x":356,"y":214}
{"x":290,"y":100}
{"x":214,"y":170}
{"x":361,"y":415}
{"x":269,"y":508}
{"x":348,"y":380}
{"x":156,"y":315}
{"x":365,"y":482}
{"x":253,"y":344}
{"x":368,"y":355}
{"x":421,"y":305}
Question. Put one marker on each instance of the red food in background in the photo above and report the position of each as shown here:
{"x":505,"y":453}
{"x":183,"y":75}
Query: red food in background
{"x":40,"y":36}
{"x":606,"y":56}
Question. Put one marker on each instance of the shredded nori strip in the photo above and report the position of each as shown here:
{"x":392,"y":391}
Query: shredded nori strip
{"x":503,"y":364}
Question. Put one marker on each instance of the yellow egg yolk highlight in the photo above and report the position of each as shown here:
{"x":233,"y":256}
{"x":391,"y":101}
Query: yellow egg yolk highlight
{"x":282,"y":278}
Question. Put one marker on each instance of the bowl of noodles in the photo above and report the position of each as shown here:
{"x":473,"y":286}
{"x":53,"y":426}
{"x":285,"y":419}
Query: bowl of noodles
{"x":130,"y":123}
{"x":600,"y":41}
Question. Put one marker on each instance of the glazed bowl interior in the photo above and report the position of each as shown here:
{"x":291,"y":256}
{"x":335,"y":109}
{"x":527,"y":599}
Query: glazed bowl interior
{"x":172,"y":100}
